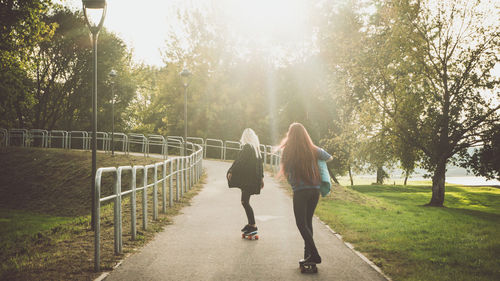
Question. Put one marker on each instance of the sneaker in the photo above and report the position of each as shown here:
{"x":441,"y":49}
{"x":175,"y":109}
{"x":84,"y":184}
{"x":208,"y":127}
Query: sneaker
{"x":244,"y":229}
{"x":311,"y":260}
{"x":251,"y":229}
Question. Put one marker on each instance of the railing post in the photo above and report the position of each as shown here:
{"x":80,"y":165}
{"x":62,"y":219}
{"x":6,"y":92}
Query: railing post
{"x":170,"y":190}
{"x":117,"y":212}
{"x":205,"y":149}
{"x":191,"y":168}
{"x":195,"y":167}
{"x":133,"y":204}
{"x":198,"y":165}
{"x":182,"y":176}
{"x":145,"y":199}
{"x":193,"y":175}
{"x":177,"y":180}
{"x":186,"y":174}
{"x":97,"y":224}
{"x":164,"y":187}
{"x":155,"y":193}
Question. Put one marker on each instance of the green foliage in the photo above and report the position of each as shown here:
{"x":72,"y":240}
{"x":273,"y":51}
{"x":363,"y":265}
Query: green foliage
{"x":21,"y":30}
{"x":48,"y":84}
{"x":485,"y":161}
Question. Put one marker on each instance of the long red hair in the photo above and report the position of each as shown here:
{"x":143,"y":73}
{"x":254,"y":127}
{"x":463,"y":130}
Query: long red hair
{"x":299,"y":158}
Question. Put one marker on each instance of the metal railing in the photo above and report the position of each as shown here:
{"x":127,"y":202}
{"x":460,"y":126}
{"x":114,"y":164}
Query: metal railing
{"x":35,"y":134}
{"x":157,"y":141}
{"x":185,"y":169}
{"x":21,"y":134}
{"x":138,"y":139}
{"x":120,"y":137}
{"x":207,"y":145}
{"x":131,"y":142}
{"x":81,"y":135}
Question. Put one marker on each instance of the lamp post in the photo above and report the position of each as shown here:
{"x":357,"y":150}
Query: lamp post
{"x":112,"y":75}
{"x":94,"y":12}
{"x":185,"y":74}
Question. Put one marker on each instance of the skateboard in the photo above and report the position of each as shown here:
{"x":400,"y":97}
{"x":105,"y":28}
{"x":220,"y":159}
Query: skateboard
{"x":250,"y":235}
{"x":308,"y":267}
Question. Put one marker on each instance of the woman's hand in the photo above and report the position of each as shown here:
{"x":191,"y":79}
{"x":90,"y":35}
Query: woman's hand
{"x":229,"y":176}
{"x":262,"y":184}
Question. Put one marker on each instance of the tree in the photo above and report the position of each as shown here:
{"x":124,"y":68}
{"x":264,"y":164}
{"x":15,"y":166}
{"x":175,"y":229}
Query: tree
{"x":58,"y":71}
{"x":439,"y":80}
{"x":407,"y":155}
{"x":45,"y":81}
{"x":21,"y":29}
{"x":341,"y":47}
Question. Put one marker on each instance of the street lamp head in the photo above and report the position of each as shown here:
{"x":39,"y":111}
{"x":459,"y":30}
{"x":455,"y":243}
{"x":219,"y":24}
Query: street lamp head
{"x":94,"y":12}
{"x":112,"y":73}
{"x":185,"y":74}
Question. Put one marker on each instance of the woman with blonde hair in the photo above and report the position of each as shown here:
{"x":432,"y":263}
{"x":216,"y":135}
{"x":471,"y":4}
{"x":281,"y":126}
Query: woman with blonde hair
{"x":247,"y":173}
{"x":299,"y":164}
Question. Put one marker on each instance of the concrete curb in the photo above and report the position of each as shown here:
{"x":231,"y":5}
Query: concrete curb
{"x":350,"y":246}
{"x":105,"y":274}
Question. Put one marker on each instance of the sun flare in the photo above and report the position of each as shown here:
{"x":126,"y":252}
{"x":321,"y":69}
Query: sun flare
{"x":266,"y":21}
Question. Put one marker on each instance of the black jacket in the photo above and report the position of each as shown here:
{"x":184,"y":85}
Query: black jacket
{"x":247,"y":171}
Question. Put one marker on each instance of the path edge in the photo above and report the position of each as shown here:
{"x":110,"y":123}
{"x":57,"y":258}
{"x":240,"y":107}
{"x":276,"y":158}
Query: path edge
{"x":350,"y":246}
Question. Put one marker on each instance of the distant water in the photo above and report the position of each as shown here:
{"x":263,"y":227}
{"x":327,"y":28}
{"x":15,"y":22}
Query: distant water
{"x":454,"y":175}
{"x":472,"y":181}
{"x":463,"y":180}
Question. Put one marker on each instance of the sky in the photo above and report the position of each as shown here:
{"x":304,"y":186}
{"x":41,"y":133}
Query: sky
{"x":144,"y":24}
{"x":144,"y":27}
{"x":141,"y":24}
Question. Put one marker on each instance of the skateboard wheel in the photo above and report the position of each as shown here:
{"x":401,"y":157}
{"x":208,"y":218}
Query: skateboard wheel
{"x":256,"y":237}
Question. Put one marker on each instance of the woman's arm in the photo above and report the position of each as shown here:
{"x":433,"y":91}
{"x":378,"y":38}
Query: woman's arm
{"x":323,"y":155}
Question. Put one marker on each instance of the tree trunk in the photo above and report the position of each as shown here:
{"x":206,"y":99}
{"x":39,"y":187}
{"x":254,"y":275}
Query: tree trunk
{"x":334,"y":178}
{"x":438,"y":179}
{"x":407,"y":174}
{"x":380,"y":175}
{"x":19,"y":113}
{"x":350,"y":176}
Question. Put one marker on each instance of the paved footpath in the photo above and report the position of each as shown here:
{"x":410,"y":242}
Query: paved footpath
{"x":204,"y":242}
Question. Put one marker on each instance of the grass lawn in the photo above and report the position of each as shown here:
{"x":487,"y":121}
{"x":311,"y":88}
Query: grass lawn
{"x":390,"y":225}
{"x":44,"y":214}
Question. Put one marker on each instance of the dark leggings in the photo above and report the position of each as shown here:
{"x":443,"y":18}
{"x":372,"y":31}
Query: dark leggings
{"x":245,"y":201}
{"x":304,"y":204}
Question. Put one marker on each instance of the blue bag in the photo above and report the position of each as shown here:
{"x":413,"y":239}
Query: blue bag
{"x":325,"y":184}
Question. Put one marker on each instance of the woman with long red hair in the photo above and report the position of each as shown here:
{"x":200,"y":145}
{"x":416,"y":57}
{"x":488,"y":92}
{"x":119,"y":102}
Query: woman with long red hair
{"x":299,"y":164}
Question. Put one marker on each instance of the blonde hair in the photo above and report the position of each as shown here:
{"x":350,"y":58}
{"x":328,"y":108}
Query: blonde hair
{"x":249,"y":137}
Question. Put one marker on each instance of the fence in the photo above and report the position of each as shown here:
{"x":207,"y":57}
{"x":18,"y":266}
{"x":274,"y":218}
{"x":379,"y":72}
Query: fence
{"x":187,"y":172}
{"x":131,"y":142}
{"x":185,"y":168}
